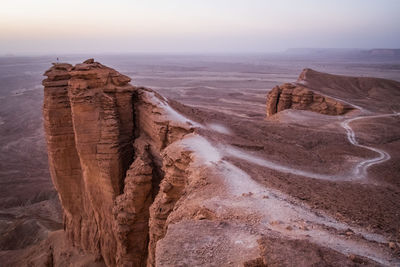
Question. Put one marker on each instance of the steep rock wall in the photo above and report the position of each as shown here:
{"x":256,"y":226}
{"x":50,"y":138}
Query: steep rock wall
{"x":65,"y":166}
{"x":131,"y":212}
{"x":94,"y":147}
{"x":105,"y":141}
{"x":290,"y":96}
{"x":175,"y":167}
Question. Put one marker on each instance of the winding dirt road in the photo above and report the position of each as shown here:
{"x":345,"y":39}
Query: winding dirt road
{"x":361,"y":169}
{"x":357,"y":173}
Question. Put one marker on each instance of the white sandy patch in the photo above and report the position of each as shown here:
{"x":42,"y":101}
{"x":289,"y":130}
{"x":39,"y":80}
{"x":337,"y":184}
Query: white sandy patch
{"x":230,"y":151}
{"x":175,"y":116}
{"x":204,"y":152}
{"x":171,"y":113}
{"x":219,"y":128}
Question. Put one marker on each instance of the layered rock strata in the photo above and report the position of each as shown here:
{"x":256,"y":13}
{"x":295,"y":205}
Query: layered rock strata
{"x":89,"y":128}
{"x":105,"y":140}
{"x":321,"y":92}
{"x":360,"y":91}
{"x":291,"y":96}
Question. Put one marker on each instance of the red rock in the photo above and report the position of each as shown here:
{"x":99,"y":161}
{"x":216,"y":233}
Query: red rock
{"x":361,"y":91}
{"x":290,"y":96}
{"x":105,"y":140}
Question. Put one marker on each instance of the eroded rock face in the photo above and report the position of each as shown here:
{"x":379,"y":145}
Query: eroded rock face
{"x":105,"y":141}
{"x":65,"y":166}
{"x":290,"y":96}
{"x":88,"y":112}
{"x":131,"y":212}
{"x":176,"y":162}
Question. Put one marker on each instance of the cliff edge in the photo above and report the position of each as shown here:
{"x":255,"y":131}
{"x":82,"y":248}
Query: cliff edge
{"x":321,"y":92}
{"x":104,"y":139}
{"x":290,"y":96}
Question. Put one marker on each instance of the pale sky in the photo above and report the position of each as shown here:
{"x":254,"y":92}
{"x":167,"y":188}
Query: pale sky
{"x":189,"y":26}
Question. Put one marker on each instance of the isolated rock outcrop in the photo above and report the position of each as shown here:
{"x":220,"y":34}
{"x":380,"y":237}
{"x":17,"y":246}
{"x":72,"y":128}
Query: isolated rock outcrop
{"x":291,"y":96}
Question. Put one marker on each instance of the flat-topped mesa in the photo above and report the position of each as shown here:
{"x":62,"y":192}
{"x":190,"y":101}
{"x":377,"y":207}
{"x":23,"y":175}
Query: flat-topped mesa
{"x":290,"y":96}
{"x":105,"y":139}
{"x":302,"y":95}
{"x":373,"y":94}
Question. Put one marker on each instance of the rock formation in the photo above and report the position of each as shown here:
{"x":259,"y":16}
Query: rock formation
{"x":374,"y":94}
{"x":89,"y":128}
{"x":316,"y":91}
{"x":291,"y":96}
{"x":105,"y":139}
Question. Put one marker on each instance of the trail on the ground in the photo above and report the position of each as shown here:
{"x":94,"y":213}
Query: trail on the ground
{"x":359,"y":171}
{"x":242,"y":197}
{"x":361,"y":168}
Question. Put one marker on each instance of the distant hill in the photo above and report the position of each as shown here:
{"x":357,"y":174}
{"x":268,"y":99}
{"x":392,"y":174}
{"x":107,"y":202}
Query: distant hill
{"x":343,"y":52}
{"x":321,"y":51}
{"x":384,"y":52}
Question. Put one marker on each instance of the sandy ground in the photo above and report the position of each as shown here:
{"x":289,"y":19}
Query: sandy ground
{"x":316,"y":165}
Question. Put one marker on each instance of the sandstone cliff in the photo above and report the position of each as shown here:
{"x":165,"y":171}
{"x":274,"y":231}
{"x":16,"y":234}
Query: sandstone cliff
{"x":290,"y":96}
{"x":105,"y":139}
